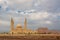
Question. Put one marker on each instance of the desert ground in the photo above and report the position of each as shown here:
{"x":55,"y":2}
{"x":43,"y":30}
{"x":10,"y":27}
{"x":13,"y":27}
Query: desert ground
{"x":31,"y":37}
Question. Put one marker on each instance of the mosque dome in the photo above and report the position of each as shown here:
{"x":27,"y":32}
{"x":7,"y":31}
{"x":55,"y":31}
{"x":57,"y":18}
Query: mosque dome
{"x":18,"y":26}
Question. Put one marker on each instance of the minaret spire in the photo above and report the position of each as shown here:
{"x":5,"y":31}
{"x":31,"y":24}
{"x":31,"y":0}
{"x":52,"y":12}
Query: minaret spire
{"x":12,"y":24}
{"x":25,"y":24}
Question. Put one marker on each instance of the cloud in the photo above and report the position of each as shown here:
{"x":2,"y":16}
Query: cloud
{"x":19,"y":1}
{"x":48,"y":5}
{"x":0,"y":0}
{"x":20,"y":4}
{"x":39,"y":15}
{"x":48,"y":22}
{"x":4,"y":22}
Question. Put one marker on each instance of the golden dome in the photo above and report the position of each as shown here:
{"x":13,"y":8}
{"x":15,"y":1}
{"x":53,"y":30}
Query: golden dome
{"x":18,"y":26}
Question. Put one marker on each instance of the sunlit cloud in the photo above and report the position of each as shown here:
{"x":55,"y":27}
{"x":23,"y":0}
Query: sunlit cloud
{"x":38,"y":15}
{"x":48,"y":22}
{"x":0,"y":0}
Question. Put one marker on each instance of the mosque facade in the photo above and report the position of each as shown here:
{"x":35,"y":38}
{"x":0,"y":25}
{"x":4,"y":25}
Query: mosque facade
{"x":19,"y":28}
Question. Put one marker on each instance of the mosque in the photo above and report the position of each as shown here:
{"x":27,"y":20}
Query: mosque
{"x":19,"y":29}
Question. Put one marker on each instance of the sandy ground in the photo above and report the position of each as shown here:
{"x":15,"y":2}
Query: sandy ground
{"x":30,"y":37}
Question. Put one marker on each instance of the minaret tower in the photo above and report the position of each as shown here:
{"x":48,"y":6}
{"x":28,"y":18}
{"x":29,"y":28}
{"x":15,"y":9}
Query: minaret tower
{"x":25,"y":24}
{"x":12,"y":24}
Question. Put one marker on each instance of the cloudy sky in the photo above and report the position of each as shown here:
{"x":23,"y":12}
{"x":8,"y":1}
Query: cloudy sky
{"x":39,"y":13}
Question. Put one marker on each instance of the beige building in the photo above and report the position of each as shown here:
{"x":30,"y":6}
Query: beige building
{"x":19,"y":29}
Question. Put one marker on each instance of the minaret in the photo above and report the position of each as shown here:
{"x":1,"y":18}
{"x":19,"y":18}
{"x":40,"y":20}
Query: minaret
{"x":25,"y":24}
{"x":12,"y":24}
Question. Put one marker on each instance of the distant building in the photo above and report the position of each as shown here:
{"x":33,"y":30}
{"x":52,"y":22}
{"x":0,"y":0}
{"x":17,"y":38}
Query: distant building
{"x":42,"y":30}
{"x":46,"y":31}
